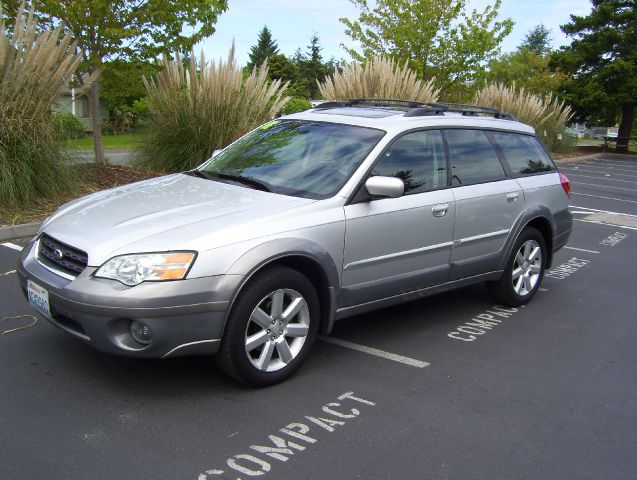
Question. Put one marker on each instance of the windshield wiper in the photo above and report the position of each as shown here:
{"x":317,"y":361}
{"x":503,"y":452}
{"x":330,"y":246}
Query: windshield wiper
{"x":198,"y":173}
{"x":250,"y":182}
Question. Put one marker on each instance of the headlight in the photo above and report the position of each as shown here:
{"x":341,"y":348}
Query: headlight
{"x":135,"y":269}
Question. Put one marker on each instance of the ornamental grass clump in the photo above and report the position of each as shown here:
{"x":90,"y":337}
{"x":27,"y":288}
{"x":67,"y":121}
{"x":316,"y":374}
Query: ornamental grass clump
{"x":378,"y":78}
{"x":34,"y":65}
{"x":201,"y":107}
{"x":548,"y":115}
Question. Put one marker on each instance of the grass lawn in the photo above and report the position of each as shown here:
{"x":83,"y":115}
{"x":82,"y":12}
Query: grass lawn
{"x":123,"y":141}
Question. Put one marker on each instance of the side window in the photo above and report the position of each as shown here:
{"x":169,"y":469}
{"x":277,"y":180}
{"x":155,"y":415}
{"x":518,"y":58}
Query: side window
{"x":418,"y":159}
{"x":473,"y":159}
{"x":523,"y":153}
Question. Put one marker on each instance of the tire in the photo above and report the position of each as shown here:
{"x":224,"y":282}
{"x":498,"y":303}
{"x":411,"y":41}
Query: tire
{"x":262,"y":345}
{"x":523,"y":272}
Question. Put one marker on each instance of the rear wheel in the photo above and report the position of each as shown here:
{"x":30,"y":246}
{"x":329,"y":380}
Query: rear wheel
{"x":271,"y":328}
{"x":524,"y":270}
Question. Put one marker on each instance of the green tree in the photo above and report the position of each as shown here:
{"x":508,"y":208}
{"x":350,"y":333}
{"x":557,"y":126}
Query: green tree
{"x":436,"y":37}
{"x":120,"y":29}
{"x":603,"y":60}
{"x":538,"y":40}
{"x":265,"y":48}
{"x":528,"y":66}
{"x":312,"y":68}
{"x":279,"y":66}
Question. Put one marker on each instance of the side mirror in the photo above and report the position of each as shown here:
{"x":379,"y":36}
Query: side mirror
{"x":216,"y":152}
{"x":390,"y":187}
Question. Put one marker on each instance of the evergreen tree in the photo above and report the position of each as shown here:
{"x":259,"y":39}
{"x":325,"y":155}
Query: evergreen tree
{"x":264,"y":49}
{"x":538,"y":40}
{"x":603,"y":61}
{"x":311,"y":66}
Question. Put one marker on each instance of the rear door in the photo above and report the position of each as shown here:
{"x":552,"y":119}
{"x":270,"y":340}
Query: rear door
{"x":488,"y":203}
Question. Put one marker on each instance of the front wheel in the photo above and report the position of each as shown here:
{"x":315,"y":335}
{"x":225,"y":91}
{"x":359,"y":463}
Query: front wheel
{"x":271,"y":328}
{"x":524,"y":270}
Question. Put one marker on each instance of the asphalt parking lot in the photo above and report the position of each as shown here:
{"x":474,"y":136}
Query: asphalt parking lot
{"x":451,"y":386}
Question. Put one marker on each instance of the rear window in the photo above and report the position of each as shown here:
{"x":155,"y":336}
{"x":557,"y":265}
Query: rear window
{"x":523,"y":153}
{"x":473,"y":159}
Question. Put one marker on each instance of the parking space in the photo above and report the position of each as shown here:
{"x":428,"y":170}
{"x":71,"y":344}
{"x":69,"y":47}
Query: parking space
{"x":450,"y":386}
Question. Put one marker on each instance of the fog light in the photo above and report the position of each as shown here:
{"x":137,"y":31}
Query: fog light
{"x":141,"y":333}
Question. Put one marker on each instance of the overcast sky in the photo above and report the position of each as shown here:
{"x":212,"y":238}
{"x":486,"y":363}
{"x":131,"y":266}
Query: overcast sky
{"x":292,"y":23}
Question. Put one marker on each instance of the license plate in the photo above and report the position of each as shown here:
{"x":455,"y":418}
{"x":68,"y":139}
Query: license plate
{"x":39,"y":298}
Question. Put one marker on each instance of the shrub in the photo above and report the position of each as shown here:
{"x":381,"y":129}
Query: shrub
{"x":33,"y":67}
{"x":381,"y":78}
{"x":197,"y":109}
{"x":68,"y":126}
{"x":547,"y":115}
{"x":296,"y":104}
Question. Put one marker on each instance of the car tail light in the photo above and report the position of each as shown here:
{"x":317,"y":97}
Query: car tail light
{"x":566,"y":184}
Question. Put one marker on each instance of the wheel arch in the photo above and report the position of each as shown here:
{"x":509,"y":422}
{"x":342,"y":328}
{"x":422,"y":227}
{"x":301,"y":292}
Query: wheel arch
{"x":539,"y":218}
{"x":304,"y":256}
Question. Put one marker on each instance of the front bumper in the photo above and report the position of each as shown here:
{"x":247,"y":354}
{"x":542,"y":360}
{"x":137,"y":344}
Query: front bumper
{"x":186,"y":316}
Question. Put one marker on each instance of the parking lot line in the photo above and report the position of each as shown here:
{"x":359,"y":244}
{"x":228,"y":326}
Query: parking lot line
{"x":11,"y":245}
{"x":601,"y":211}
{"x":604,"y":223}
{"x":611,"y":165}
{"x":605,"y":198}
{"x":373,"y":351}
{"x":577,"y":169}
{"x":607,"y":178}
{"x":582,"y":250}
{"x":604,"y":186}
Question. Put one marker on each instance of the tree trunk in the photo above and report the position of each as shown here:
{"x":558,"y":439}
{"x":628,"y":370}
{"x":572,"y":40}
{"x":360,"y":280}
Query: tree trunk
{"x":625,"y":127}
{"x":94,"y":95}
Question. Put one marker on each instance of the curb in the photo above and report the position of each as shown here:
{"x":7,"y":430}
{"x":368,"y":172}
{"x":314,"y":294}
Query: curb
{"x":16,"y":231}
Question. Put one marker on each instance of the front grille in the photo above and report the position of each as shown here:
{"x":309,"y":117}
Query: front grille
{"x":72,"y":260}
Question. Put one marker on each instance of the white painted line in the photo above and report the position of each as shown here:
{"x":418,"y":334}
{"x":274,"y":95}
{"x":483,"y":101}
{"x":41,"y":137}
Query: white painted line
{"x":568,"y":170}
{"x":542,"y":290}
{"x":607,"y":224}
{"x":604,"y":186}
{"x":605,"y":198}
{"x":582,"y":250}
{"x":373,"y":351}
{"x":12,"y":245}
{"x":581,"y":211}
{"x":606,"y":177}
{"x":613,"y":163}
{"x":611,"y":169}
{"x":601,"y":211}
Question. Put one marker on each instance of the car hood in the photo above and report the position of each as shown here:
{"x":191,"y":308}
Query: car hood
{"x":166,"y":213}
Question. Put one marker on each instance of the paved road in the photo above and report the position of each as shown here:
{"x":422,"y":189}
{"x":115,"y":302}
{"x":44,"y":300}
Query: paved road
{"x":113,"y":157}
{"x":544,"y":391}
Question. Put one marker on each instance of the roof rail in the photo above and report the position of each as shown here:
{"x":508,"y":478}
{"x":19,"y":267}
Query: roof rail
{"x":418,"y":109}
{"x":371,"y":102}
{"x":465,"y":109}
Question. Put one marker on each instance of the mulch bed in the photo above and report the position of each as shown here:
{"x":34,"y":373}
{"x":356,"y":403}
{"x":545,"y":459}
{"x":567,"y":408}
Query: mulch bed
{"x":91,"y":178}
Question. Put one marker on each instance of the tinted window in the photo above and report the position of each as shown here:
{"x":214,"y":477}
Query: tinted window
{"x":296,"y":157}
{"x":523,"y":153}
{"x":473,"y":159}
{"x":418,"y":159}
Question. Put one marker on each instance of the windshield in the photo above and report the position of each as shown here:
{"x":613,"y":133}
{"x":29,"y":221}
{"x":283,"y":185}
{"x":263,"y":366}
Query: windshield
{"x":295,"y":157}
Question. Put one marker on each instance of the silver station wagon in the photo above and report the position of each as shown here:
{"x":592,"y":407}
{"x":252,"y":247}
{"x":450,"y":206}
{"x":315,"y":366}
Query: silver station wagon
{"x":346,"y":208}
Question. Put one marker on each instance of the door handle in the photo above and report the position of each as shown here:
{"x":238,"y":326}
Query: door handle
{"x":440,"y":210}
{"x":513,"y":197}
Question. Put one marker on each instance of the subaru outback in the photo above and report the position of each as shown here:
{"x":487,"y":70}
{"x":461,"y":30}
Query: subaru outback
{"x":311,"y":218}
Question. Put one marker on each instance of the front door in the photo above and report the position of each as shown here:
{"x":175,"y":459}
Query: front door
{"x":398,"y":245}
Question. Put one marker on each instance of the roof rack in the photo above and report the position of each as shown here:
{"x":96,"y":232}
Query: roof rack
{"x":419,"y":109}
{"x":371,"y":102}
